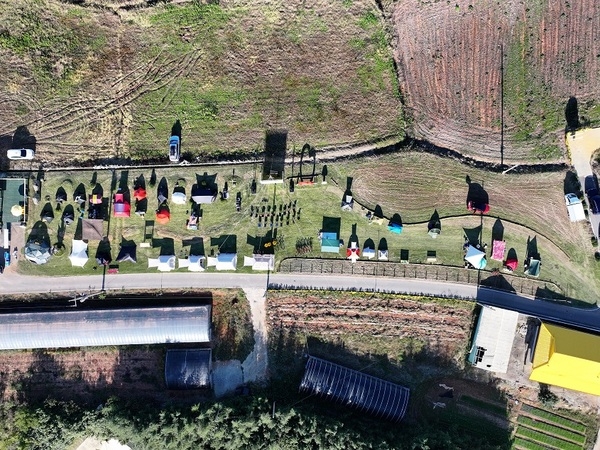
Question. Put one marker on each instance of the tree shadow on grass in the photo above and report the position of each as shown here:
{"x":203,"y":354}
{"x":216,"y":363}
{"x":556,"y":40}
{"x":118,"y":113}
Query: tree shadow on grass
{"x":572,"y":184}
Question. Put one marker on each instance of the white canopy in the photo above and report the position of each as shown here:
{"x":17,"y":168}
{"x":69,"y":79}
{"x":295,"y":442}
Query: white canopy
{"x":178,"y":198}
{"x":260,"y":262}
{"x":164,"y":263}
{"x":382,"y":255}
{"x":223,"y":261}
{"x":79,"y":253}
{"x":475,"y":257}
{"x":194,"y":263}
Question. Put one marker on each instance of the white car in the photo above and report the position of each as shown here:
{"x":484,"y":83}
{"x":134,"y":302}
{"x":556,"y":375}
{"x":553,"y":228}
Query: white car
{"x":20,"y":153}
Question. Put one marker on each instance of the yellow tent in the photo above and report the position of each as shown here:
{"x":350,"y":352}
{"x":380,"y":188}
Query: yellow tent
{"x":567,"y":358}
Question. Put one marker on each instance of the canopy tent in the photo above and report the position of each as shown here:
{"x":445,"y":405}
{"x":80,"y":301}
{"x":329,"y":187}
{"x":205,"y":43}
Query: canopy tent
{"x":178,"y":198}
{"x":330,"y":242}
{"x":368,"y":253}
{"x":353,"y":252}
{"x":139,"y":193}
{"x":260,"y":262}
{"x":478,"y":207}
{"x":533,"y":268}
{"x":127,"y":253}
{"x":475,"y":257}
{"x":382,"y":255}
{"x":164,"y":263}
{"x":37,"y":252}
{"x":194,"y":263}
{"x":511,"y":264}
{"x":498,"y":248}
{"x":223,"y":261}
{"x":79,"y":253}
{"x":92,"y":229}
{"x":395,"y":227}
{"x":121,"y":209}
{"x":163,"y":215}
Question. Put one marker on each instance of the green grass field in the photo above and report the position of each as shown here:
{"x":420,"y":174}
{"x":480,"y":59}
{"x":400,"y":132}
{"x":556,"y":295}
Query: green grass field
{"x":415,"y":202}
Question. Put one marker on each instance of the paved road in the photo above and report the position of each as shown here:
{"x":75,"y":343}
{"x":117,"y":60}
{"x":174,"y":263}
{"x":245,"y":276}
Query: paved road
{"x":560,"y":313}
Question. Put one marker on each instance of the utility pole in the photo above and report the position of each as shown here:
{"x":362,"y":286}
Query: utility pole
{"x":502,"y":105}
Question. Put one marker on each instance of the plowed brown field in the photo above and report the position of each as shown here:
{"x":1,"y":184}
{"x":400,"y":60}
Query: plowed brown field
{"x":449,"y":57}
{"x":384,"y":324}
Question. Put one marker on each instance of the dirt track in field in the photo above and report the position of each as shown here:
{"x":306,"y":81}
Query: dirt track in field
{"x":292,"y":66}
{"x":449,"y":62}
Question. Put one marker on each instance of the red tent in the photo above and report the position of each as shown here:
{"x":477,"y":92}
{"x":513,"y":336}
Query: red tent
{"x":163,"y":215}
{"x":139,"y":194}
{"x":511,"y":264}
{"x":121,"y":207}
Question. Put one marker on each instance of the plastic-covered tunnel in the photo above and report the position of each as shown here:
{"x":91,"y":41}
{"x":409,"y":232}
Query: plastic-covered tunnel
{"x":188,"y":368}
{"x":349,"y":387}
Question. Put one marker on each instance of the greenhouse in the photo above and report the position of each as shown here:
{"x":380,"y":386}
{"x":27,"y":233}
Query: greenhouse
{"x":349,"y":387}
{"x":93,"y":327}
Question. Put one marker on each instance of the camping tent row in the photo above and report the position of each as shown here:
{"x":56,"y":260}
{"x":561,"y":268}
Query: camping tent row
{"x":223,"y":261}
{"x":349,"y":387}
{"x":79,"y":253}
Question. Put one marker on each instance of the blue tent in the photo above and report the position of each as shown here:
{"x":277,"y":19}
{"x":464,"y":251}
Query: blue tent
{"x":395,"y":227}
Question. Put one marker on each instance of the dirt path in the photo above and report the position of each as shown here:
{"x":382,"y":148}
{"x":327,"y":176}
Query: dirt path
{"x":255,"y":366}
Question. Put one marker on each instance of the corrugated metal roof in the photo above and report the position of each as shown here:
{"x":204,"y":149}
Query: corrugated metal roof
{"x":494,"y":338}
{"x":92,"y":328}
{"x":349,"y":387}
{"x":188,"y":368}
{"x":567,"y":358}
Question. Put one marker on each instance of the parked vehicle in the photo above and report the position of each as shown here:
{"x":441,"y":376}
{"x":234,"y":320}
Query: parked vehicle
{"x":20,"y":153}
{"x":594,"y":202}
{"x":174,"y":148}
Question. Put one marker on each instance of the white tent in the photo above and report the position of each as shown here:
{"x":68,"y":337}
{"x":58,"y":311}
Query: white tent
{"x":368,"y":253}
{"x":164,"y":263}
{"x":475,"y":257}
{"x":223,"y":261}
{"x":194,"y":263}
{"x":178,"y":198}
{"x":260,"y":262}
{"x":79,"y":253}
{"x":382,"y":255}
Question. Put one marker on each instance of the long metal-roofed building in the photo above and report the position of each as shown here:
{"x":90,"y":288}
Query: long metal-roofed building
{"x":104,"y":327}
{"x":348,"y":387}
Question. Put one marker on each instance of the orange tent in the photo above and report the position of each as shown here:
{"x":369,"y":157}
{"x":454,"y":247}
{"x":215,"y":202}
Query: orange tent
{"x":163,"y":215}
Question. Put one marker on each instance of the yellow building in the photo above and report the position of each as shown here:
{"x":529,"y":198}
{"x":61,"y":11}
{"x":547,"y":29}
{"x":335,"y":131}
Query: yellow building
{"x":567,"y":358}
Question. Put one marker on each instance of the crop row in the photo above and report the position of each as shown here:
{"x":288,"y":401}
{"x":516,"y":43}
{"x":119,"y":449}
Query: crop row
{"x":520,"y":443}
{"x":552,"y":429}
{"x":546,"y":439}
{"x":554,"y":418}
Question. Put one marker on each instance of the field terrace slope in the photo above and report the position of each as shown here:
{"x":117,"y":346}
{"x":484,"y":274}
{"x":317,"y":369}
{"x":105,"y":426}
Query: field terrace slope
{"x":110,"y":87}
{"x":449,"y":61}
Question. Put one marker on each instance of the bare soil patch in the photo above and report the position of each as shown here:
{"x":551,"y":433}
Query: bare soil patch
{"x":450,"y":73}
{"x":391,"y":325}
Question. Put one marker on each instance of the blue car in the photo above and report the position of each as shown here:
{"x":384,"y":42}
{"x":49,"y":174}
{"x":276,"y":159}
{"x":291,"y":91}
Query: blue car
{"x":7,"y":258}
{"x":174,"y":148}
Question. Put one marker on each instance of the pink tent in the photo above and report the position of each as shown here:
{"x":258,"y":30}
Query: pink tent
{"x":121,"y":207}
{"x":498,"y":250}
